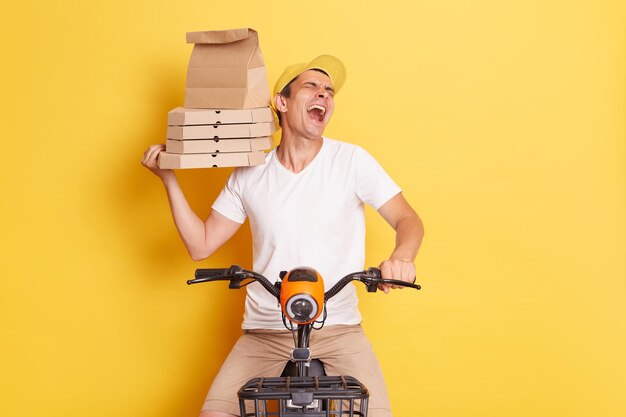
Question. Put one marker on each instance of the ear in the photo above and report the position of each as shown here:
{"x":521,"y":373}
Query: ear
{"x":280,"y":103}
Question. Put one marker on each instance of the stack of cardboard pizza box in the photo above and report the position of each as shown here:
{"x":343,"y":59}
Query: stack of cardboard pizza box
{"x":226,"y":120}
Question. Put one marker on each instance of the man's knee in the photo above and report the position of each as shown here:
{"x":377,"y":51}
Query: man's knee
{"x":208,"y":413}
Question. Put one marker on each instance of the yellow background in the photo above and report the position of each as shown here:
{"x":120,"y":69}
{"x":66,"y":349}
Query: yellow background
{"x":504,"y":122}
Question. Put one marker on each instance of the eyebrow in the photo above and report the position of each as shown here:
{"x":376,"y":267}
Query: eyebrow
{"x":315,"y":84}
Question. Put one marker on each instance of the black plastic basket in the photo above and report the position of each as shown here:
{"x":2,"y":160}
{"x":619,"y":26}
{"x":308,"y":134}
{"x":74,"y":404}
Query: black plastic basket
{"x":324,"y":396}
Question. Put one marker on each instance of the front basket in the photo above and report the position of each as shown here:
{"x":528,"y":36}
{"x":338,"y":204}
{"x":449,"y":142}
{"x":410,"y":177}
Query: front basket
{"x":324,"y":396}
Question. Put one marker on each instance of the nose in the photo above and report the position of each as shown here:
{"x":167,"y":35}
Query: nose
{"x":322,"y":93}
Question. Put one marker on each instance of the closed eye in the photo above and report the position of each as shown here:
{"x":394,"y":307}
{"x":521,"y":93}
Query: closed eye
{"x":311,"y":84}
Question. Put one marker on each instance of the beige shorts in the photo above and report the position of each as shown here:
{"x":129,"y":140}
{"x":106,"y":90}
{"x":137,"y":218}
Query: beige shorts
{"x":344,"y":350}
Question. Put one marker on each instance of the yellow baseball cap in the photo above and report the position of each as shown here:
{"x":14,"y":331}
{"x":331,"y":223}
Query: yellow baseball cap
{"x":327,"y":63}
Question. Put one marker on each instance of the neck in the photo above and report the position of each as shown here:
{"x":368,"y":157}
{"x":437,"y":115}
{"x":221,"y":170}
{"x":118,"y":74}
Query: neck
{"x":295,"y":153}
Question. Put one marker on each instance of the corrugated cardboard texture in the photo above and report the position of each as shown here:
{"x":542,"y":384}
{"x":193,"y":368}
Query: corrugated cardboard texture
{"x":217,"y":145}
{"x":226,"y":71}
{"x":250,"y":130}
{"x":215,"y":160}
{"x":181,"y":116}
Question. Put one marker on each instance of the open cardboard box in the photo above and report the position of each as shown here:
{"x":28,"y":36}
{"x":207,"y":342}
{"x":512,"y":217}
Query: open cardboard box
{"x":213,"y":160}
{"x":218,"y":145}
{"x":185,"y":117}
{"x":249,"y":130}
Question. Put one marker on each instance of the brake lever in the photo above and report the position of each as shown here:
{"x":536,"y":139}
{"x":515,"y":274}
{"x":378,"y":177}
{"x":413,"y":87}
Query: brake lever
{"x":373,"y":279}
{"x":208,"y":279}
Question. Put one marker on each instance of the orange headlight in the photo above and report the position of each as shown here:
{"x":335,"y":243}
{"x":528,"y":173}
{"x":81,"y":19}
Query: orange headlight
{"x":302,"y":295}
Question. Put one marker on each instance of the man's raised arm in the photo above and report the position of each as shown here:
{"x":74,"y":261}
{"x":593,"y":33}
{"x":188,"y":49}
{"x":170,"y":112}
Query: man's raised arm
{"x":201,"y":238}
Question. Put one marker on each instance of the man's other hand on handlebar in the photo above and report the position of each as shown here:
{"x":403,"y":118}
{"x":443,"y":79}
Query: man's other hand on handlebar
{"x":400,"y":269}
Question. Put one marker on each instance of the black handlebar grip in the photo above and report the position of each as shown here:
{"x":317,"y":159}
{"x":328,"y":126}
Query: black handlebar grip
{"x":210,"y":272}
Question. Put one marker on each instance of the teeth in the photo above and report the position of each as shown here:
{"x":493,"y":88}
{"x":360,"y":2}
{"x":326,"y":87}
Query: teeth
{"x":315,"y":106}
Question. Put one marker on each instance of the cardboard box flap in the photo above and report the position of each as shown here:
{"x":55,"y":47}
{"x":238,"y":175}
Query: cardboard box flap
{"x":219,"y":36}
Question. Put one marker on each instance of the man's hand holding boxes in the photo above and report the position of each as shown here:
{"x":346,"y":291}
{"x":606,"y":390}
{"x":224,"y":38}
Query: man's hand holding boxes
{"x":226,"y":120}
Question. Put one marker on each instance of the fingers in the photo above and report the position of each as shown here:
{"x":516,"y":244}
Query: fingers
{"x":384,"y":287}
{"x":150,"y":161}
{"x":399,"y":269}
{"x":150,"y":156}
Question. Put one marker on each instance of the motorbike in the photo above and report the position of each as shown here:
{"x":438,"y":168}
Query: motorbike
{"x":303,"y":389}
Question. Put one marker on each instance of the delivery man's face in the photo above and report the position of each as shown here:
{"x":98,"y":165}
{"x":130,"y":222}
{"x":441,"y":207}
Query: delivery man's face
{"x":310,"y":104}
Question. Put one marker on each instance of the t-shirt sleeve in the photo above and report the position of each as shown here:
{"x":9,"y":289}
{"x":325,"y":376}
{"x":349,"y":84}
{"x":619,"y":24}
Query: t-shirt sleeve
{"x":373,"y":185}
{"x":228,"y":203}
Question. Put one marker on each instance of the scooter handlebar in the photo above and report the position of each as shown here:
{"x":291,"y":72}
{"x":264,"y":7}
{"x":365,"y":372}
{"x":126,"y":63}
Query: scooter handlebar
{"x":370,"y":278}
{"x":236,"y":275}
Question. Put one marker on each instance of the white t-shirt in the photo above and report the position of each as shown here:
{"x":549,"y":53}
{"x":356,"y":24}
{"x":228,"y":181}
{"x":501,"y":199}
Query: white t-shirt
{"x":314,"y":218}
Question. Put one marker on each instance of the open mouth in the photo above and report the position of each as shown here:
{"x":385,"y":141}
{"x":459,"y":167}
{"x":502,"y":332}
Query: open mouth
{"x":317,"y":112}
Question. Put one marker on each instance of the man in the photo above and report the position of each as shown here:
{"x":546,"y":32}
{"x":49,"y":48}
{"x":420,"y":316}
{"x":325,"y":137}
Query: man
{"x":305,"y":207}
